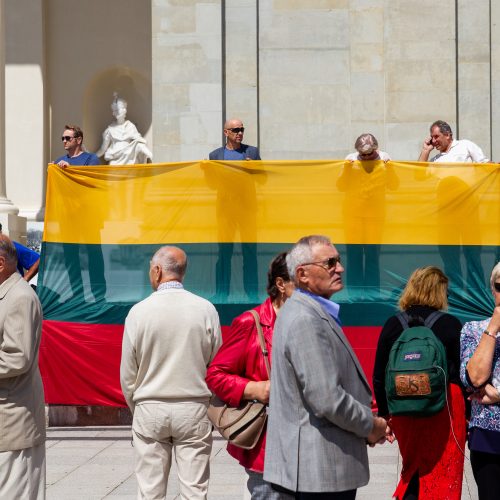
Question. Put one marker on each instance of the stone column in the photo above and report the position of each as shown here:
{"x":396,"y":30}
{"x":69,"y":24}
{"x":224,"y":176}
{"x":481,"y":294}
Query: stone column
{"x":6,"y":206}
{"x":495,"y":81}
{"x":25,"y":108}
{"x":420,"y":72}
{"x":474,"y":104}
{"x":241,"y":65}
{"x":304,"y":79}
{"x":186,"y":75}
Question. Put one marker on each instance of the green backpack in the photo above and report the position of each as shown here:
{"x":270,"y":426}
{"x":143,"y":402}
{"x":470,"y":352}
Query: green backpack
{"x":417,"y":371}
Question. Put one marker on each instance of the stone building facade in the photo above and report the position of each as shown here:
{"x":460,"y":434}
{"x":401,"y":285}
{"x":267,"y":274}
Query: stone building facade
{"x":306,"y":76}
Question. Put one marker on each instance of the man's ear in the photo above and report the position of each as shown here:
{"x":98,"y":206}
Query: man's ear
{"x":156,"y":273}
{"x":301,"y":275}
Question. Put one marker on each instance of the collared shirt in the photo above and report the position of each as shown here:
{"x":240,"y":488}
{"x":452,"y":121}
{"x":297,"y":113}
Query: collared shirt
{"x":462,"y":151}
{"x":332,"y":308}
{"x":169,"y":284}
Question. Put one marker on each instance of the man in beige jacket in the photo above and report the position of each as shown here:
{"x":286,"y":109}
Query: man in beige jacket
{"x":22,"y":408}
{"x":169,"y":340}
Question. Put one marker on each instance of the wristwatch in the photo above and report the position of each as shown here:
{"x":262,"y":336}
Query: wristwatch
{"x":492,"y":335}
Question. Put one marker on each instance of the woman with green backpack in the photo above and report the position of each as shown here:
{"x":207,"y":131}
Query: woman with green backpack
{"x":416,"y":382}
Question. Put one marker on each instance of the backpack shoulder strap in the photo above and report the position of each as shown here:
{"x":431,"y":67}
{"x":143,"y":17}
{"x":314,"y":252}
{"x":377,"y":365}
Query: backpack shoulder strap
{"x":403,"y":319}
{"x":432,"y":318}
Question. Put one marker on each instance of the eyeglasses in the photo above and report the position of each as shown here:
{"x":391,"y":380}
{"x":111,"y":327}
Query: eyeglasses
{"x":66,"y":138}
{"x":496,"y":286}
{"x":327,"y":264}
{"x":237,"y":130}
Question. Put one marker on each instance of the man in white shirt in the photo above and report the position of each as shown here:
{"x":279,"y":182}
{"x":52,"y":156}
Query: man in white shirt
{"x":169,"y":340}
{"x":450,"y":150}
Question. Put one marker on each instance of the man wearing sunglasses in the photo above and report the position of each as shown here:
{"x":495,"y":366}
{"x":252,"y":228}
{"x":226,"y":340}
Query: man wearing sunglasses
{"x":234,"y":148}
{"x":72,"y":139}
{"x":320,"y":417}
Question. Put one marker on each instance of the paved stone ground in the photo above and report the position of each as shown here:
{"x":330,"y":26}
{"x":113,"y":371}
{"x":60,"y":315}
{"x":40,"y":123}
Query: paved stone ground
{"x":97,"y":462}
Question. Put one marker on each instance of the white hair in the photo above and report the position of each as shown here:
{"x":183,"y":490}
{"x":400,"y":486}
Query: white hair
{"x":169,"y":262}
{"x":302,"y":252}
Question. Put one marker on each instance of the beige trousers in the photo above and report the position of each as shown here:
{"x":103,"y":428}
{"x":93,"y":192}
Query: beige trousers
{"x":181,"y":427}
{"x":22,"y":474}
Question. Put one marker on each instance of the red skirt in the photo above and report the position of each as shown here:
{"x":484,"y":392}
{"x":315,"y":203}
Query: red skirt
{"x":428,"y":447}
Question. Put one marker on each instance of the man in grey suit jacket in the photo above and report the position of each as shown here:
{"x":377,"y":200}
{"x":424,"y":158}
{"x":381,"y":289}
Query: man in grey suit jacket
{"x":234,"y":148}
{"x":320,"y":419}
{"x":22,"y":407}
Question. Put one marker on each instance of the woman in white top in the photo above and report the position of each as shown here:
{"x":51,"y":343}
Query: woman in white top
{"x":366,"y":146}
{"x":365,"y":182}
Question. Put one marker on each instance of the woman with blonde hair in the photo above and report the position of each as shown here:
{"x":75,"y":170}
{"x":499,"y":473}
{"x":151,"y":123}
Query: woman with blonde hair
{"x":431,"y":446}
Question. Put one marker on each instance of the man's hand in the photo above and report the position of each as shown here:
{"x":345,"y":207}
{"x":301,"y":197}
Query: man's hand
{"x":427,"y":147}
{"x":63,"y":164}
{"x":257,"y":390}
{"x":379,"y":431}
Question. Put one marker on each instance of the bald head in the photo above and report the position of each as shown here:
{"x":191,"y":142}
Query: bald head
{"x":233,"y":123}
{"x":8,"y":258}
{"x":168,"y":264}
{"x":233,"y":130}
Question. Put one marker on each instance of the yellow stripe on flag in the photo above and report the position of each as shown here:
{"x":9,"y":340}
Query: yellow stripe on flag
{"x":275,"y":201}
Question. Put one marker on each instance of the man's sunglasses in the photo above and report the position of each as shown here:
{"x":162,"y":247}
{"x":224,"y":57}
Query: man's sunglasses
{"x":237,"y":130}
{"x":66,"y":138}
{"x":497,"y":286}
{"x":327,"y":264}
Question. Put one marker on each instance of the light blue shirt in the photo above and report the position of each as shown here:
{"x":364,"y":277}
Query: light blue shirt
{"x":332,"y":308}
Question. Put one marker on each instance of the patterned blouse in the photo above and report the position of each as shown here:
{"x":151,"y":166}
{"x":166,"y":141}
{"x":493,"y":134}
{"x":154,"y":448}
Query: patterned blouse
{"x":483,"y":416}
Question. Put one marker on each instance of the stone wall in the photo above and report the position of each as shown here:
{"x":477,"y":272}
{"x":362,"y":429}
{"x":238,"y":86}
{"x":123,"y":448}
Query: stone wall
{"x":308,"y":76}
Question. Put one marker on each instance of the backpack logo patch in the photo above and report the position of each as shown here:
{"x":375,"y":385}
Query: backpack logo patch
{"x":412,"y":356}
{"x":415,"y":384}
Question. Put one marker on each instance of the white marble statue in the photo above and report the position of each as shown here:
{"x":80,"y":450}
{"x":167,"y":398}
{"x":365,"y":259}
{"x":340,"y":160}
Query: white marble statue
{"x":122,"y":144}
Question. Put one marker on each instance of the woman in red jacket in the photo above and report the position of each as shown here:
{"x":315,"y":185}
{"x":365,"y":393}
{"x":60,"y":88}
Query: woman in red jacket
{"x":238,"y":371}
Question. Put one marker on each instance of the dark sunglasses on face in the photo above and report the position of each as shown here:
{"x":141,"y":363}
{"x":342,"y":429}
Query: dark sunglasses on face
{"x":327,"y":264}
{"x":66,"y":138}
{"x":496,"y":286}
{"x":237,"y":130}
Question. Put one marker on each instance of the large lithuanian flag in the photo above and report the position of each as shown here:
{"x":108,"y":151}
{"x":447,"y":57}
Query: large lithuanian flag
{"x":103,"y":224}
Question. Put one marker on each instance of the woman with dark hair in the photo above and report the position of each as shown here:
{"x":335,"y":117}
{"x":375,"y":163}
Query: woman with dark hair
{"x":238,"y":371}
{"x":431,"y":446}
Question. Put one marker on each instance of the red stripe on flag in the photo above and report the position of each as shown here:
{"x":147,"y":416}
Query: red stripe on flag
{"x":80,"y":362}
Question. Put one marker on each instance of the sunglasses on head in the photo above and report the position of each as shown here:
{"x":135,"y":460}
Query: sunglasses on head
{"x":237,"y":130}
{"x":496,"y":286}
{"x":66,"y":138}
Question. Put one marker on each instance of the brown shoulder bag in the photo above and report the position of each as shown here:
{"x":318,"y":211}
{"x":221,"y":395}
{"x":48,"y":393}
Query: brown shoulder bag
{"x":242,"y":426}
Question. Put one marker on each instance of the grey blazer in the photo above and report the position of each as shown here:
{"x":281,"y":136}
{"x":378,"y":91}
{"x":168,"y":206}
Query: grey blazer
{"x":22,"y":407}
{"x":319,"y":412}
{"x":251,"y":152}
